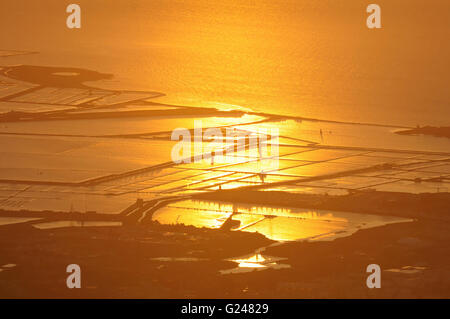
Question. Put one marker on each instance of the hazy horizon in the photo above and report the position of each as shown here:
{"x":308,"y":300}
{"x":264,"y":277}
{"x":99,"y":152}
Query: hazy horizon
{"x":306,"y":58}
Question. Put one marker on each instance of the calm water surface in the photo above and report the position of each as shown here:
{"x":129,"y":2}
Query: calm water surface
{"x":297,"y":57}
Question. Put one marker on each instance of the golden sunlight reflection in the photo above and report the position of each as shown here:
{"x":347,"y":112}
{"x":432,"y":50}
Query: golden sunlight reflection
{"x":167,"y":142}
{"x":255,"y":262}
{"x":276,"y":223}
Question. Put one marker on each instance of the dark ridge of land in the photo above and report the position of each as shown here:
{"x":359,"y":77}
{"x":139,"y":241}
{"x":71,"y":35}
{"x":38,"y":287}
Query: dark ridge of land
{"x":424,"y":206}
{"x":442,"y":131}
{"x":15,"y":116}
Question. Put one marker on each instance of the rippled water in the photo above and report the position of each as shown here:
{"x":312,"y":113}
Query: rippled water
{"x":298,"y":57}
